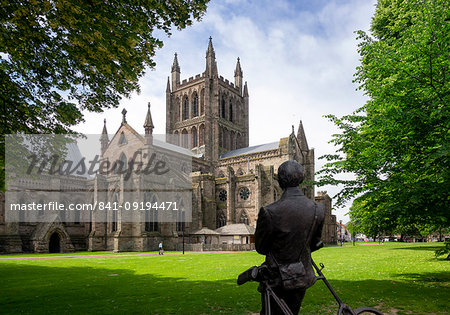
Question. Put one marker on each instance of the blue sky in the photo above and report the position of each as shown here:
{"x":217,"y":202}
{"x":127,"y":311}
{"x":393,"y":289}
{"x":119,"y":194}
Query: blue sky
{"x":298,"y":57}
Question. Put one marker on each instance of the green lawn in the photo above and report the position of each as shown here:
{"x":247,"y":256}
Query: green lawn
{"x":396,"y":278}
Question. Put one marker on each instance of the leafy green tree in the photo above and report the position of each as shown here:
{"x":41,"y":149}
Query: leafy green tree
{"x":59,"y":58}
{"x":397,"y":144}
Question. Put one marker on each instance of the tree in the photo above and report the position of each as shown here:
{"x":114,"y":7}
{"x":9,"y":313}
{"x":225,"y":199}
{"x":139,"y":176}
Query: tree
{"x":58,"y":58}
{"x":397,"y":144}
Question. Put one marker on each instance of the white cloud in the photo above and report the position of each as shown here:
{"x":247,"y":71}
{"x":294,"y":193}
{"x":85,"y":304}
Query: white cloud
{"x":298,"y":60}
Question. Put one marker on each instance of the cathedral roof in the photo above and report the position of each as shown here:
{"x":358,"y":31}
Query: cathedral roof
{"x":253,"y":149}
{"x":205,"y":231}
{"x":236,"y":229}
{"x":171,"y":147}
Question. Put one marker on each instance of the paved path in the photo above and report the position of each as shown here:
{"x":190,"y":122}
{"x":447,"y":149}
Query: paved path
{"x":115,"y":255}
{"x":143,"y":254}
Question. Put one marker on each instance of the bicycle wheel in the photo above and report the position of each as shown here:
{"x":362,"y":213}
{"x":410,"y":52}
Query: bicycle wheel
{"x":367,"y":310}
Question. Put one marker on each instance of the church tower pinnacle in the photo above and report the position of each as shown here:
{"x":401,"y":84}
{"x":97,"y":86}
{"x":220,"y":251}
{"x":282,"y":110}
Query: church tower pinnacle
{"x":175,"y":72}
{"x":104,"y":139}
{"x":238,"y":75}
{"x":301,"y":137}
{"x":148,"y":126}
{"x":211,"y":65}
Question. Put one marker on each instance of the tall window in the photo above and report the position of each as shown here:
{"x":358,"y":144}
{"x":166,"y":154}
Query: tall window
{"x":194,"y":137}
{"x":231,"y":111}
{"x":201,"y":134}
{"x":176,"y":138}
{"x":185,"y":108}
{"x":114,"y":212}
{"x":122,"y":139}
{"x":221,"y":219}
{"x":232,"y":147}
{"x":202,"y":102}
{"x":223,"y":107}
{"x":124,"y":162}
{"x":62,"y":214}
{"x":151,"y":213}
{"x":177,"y":115}
{"x":244,"y":218}
{"x":225,"y":139}
{"x":41,"y":213}
{"x":120,"y":165}
{"x":77,"y":215}
{"x":195,"y":105}
{"x":185,"y":139}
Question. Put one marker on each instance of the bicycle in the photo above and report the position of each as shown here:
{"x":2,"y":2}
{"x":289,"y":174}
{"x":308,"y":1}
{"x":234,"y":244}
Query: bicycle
{"x":261,"y":274}
{"x":344,"y":309}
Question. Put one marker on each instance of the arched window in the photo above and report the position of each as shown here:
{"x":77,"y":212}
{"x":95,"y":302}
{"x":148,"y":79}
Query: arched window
{"x":177,"y":114}
{"x":244,"y":218}
{"x":232,"y":146}
{"x":176,"y":139}
{"x":124,"y":161}
{"x":195,"y":105}
{"x":114,"y":210}
{"x":201,"y":134}
{"x":121,"y":164}
{"x":185,"y":139}
{"x":77,"y":215}
{"x":238,"y":141}
{"x":151,"y":213}
{"x":202,"y":102}
{"x":221,"y":219}
{"x":122,"y":138}
{"x":194,"y":137}
{"x":231,"y":111}
{"x":62,"y":214}
{"x":186,"y":108}
{"x":223,"y":108}
{"x":40,"y":213}
{"x":226,"y":138}
{"x":220,"y":137}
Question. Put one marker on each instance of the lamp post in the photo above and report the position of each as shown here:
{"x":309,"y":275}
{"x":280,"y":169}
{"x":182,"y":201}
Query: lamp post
{"x":183,"y":236}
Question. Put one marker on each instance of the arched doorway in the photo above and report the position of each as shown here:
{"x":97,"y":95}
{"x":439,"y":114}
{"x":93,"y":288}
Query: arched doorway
{"x":54,"y":245}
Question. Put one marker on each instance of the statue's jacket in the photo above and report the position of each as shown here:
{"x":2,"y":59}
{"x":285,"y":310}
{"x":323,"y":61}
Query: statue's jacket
{"x":282,"y":230}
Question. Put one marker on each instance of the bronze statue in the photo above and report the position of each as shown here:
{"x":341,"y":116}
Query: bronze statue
{"x":287,"y":231}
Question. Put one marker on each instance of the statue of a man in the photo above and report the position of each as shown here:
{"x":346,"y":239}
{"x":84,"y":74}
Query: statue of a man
{"x":287,"y":231}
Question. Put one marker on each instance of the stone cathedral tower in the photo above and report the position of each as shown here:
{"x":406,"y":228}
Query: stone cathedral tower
{"x":209,"y":108}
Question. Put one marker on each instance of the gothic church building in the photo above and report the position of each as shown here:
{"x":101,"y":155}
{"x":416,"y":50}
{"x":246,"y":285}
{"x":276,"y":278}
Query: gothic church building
{"x":230,"y":180}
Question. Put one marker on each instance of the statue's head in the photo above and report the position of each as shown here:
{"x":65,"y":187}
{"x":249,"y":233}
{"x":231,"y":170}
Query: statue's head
{"x":290,"y":174}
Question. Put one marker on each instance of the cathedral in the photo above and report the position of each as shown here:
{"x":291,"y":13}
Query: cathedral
{"x":207,"y":146}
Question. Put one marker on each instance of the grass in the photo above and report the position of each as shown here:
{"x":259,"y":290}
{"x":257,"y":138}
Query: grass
{"x":395,"y":278}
